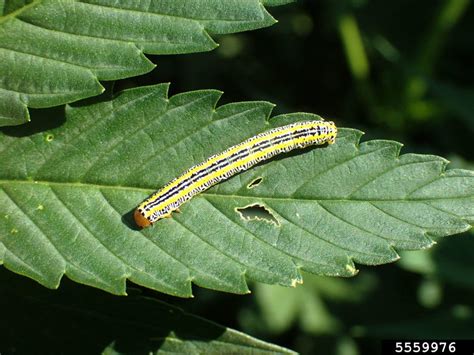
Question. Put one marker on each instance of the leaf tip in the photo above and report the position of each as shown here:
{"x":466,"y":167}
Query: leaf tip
{"x":351,"y":269}
{"x":429,"y":242}
{"x":296,"y":282}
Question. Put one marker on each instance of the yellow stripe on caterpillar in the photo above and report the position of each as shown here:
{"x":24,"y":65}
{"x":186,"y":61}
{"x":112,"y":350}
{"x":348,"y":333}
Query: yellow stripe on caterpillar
{"x":235,"y":159}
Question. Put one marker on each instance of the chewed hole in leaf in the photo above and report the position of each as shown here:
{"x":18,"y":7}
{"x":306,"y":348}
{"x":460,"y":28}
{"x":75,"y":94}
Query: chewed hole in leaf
{"x":254,"y":183}
{"x":257,"y":212}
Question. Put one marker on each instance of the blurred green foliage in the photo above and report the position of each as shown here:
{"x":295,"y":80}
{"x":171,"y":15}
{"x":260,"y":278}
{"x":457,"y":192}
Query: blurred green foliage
{"x":397,"y":70}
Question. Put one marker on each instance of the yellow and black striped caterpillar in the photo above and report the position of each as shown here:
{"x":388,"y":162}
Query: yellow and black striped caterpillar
{"x":236,"y":159}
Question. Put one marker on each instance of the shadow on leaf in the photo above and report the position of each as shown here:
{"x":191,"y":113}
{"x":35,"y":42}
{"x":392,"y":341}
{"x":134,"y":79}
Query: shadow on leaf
{"x":82,"y":320}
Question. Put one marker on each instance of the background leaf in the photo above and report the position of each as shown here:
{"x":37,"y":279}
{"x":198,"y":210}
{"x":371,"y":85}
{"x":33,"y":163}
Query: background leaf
{"x":430,"y":326}
{"x":280,"y":308}
{"x":66,"y":195}
{"x":445,"y":262}
{"x":80,"y":320}
{"x":458,"y":101}
{"x":54,"y":52}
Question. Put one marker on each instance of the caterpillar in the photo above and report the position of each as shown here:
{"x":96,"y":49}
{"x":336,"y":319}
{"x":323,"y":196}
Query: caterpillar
{"x":234,"y":160}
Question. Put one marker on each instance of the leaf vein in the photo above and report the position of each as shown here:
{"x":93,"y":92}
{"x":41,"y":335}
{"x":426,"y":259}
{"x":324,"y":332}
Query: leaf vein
{"x":322,"y":238}
{"x":311,"y":177}
{"x":284,"y":252}
{"x":153,"y":243}
{"x":393,"y":216}
{"x":384,"y":172}
{"x":212,"y":246}
{"x":174,"y":144}
{"x":129,"y":135}
{"x":85,"y":227}
{"x":29,"y":219}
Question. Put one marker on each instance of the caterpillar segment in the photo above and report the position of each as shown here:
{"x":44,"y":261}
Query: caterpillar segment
{"x":234,"y":160}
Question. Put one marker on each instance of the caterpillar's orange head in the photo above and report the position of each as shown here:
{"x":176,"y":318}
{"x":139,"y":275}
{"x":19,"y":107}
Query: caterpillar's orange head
{"x":140,"y":219}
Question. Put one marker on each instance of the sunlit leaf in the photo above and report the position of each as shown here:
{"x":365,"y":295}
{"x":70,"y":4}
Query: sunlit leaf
{"x":66,"y":197}
{"x":53,"y":52}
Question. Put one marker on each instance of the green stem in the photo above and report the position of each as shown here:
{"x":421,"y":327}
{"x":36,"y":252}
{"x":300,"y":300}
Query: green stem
{"x":448,"y":16}
{"x":353,"y":46}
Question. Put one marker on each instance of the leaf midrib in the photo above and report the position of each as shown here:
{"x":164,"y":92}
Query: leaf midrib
{"x":134,"y":41}
{"x":15,"y":13}
{"x":154,"y":13}
{"x":271,"y":198}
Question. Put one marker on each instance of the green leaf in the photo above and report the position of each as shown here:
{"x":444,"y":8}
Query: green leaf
{"x":55,"y":52}
{"x":280,"y":307}
{"x":80,"y":320}
{"x":66,"y":197}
